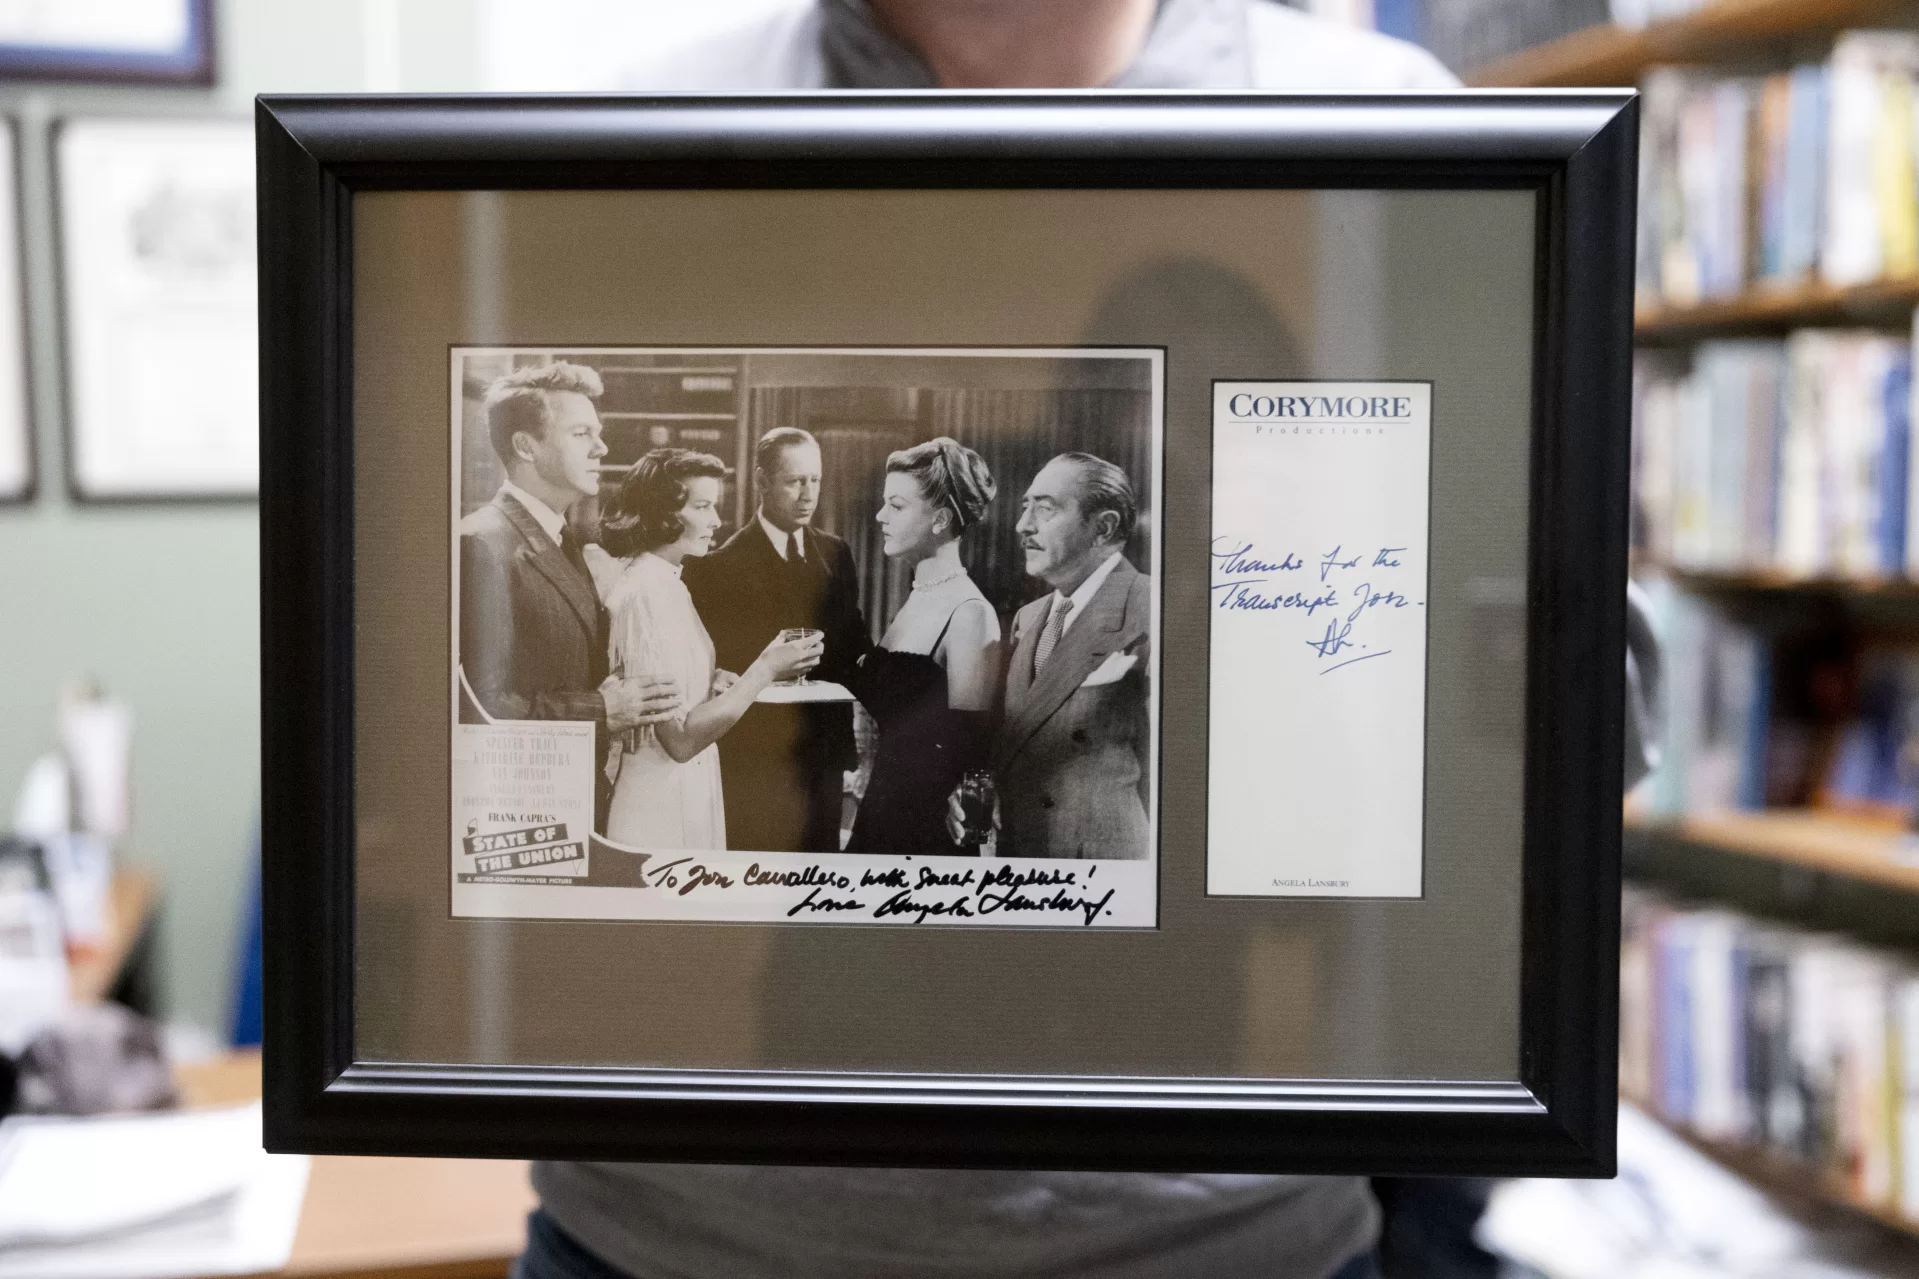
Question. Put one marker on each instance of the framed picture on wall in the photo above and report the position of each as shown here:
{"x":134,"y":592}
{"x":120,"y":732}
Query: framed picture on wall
{"x":109,"y":41}
{"x":946,"y":630}
{"x":157,"y":289}
{"x":18,"y":461}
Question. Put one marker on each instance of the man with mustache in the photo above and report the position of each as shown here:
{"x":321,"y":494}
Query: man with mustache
{"x":1071,"y":756}
{"x":783,"y":764}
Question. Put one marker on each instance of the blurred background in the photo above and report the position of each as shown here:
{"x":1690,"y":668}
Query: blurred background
{"x":1769,"y":999}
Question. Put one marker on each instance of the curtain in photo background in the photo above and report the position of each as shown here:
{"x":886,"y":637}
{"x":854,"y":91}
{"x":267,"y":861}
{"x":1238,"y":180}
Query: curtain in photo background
{"x":1015,"y":431}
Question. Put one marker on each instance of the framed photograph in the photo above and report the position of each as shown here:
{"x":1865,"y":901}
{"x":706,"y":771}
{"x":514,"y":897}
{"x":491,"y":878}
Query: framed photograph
{"x":158,"y":277}
{"x":109,"y":41}
{"x":984,"y":630}
{"x":18,"y":457}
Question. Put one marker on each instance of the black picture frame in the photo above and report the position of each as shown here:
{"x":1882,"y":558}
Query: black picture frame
{"x":1575,"y":149}
{"x":189,"y":64}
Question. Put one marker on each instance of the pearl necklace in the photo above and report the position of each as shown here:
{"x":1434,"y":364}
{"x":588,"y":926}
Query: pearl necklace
{"x":931,"y":582}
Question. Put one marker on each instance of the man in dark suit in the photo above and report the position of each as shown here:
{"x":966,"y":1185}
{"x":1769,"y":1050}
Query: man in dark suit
{"x":782,"y":765}
{"x":1072,"y":758}
{"x":532,"y":630}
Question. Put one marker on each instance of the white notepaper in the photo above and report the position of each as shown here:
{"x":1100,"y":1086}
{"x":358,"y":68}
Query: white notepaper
{"x":145,"y":1197}
{"x":1316,"y":766}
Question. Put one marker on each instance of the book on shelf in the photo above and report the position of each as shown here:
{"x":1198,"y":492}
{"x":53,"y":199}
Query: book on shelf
{"x":1464,"y":34}
{"x":1785,"y":712}
{"x":1801,"y":1045}
{"x":1713,"y":753}
{"x":1807,"y":175}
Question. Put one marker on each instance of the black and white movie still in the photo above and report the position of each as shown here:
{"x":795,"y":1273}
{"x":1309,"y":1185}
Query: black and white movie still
{"x":806,"y":634}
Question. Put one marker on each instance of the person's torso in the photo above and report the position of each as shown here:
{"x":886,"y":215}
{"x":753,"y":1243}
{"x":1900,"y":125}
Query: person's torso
{"x":747,"y":593}
{"x":663,"y":1221}
{"x":797,"y":1223}
{"x":656,"y":630}
{"x":559,"y":628}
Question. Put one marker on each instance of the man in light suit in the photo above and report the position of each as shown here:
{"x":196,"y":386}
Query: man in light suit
{"x":532,"y":630}
{"x":1072,"y":757}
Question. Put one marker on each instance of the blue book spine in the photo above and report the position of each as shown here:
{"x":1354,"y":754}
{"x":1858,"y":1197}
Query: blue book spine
{"x":1805,"y":182}
{"x":1894,"y":465}
{"x":1752,"y":750}
{"x":1772,"y":184}
{"x":1675,"y":1024}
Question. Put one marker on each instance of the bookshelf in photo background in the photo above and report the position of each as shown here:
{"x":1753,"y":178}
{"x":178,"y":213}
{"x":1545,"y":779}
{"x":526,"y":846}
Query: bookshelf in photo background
{"x":1773,"y":496}
{"x":1773,"y":705}
{"x":1790,"y":455}
{"x":1751,"y":183}
{"x":1800,"y":1047}
{"x":1642,"y":35}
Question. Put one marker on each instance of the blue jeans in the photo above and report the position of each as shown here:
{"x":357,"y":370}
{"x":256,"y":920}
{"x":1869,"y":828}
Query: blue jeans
{"x":551,"y":1253}
{"x":1364,"y":1266}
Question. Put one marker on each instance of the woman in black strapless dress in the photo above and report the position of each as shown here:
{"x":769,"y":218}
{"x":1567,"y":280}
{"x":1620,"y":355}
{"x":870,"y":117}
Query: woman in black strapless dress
{"x":932,"y":684}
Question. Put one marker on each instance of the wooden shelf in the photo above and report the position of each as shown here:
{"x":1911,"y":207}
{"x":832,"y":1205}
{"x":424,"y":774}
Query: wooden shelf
{"x":1857,"y":849}
{"x":1784,"y":1177}
{"x":1777,"y":309}
{"x":1609,"y":55}
{"x":1779,"y":581}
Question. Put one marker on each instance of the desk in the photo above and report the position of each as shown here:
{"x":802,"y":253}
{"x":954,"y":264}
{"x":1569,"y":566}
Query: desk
{"x":391,"y":1218}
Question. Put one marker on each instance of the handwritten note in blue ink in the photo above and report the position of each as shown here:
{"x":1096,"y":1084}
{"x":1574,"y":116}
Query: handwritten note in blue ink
{"x":1318,"y":700}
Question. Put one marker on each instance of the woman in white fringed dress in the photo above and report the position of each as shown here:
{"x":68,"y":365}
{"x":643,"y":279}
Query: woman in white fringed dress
{"x":666,"y":776}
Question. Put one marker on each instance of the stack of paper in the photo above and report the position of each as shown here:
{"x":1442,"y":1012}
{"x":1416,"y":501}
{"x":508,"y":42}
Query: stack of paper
{"x":145,"y":1197}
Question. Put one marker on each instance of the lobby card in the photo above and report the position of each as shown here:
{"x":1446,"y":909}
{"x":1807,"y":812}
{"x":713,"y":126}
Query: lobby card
{"x":976,"y":741}
{"x":1316,"y":762}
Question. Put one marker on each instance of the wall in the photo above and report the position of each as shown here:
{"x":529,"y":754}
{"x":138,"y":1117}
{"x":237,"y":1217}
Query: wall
{"x":160,"y":602}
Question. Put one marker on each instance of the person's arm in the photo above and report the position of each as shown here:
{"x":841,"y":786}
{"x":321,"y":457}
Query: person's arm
{"x":708,"y":722}
{"x":847,"y":637}
{"x":1643,"y":687}
{"x":970,"y":654}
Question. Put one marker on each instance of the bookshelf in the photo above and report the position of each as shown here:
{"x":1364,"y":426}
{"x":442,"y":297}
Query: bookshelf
{"x":1888,"y":302}
{"x":1864,"y":850}
{"x":1766,"y":581}
{"x":1609,"y":55}
{"x":1785,"y":1178}
{"x":1821,"y":871}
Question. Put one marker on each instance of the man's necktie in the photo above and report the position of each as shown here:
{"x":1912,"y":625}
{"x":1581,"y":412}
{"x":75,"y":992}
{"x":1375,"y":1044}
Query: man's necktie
{"x":1049,"y":635}
{"x":570,"y":547}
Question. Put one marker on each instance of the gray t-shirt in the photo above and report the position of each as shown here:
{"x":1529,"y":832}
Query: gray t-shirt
{"x":673,"y":1221}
